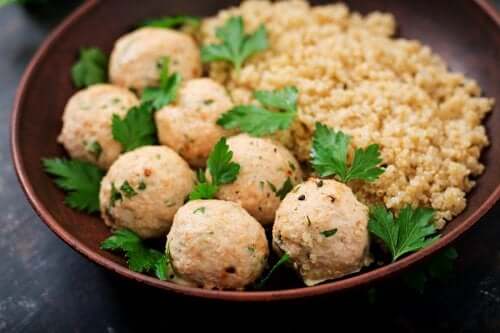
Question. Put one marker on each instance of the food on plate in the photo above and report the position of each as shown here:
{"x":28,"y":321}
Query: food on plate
{"x":143,"y":190}
{"x":137,"y":56}
{"x":86,"y":131}
{"x":324,"y":229}
{"x":216,"y":244}
{"x":189,"y":127}
{"x":355,"y":76}
{"x":388,"y":138}
{"x":267,"y":172}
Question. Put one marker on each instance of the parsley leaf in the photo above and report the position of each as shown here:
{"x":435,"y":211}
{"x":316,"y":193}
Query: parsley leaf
{"x":221,"y":169}
{"x":91,"y":68}
{"x":203,"y":191}
{"x":283,"y":99}
{"x":136,"y":129}
{"x":173,"y":22}
{"x":329,"y":156}
{"x":258,"y":121}
{"x":236,"y":46}
{"x":411,"y":231}
{"x":140,"y":258}
{"x":284,"y":259}
{"x":158,"y":97}
{"x":219,"y":164}
{"x":82,"y":181}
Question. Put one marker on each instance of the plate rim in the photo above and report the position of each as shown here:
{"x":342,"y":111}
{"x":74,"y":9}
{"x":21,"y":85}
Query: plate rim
{"x":344,"y":284}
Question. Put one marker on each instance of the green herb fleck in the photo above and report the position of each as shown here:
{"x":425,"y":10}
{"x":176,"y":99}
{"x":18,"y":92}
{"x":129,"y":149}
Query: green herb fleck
{"x":95,"y":148}
{"x":115,"y":195}
{"x":142,"y":186}
{"x":309,"y":223}
{"x":169,"y":203}
{"x":127,"y":190}
{"x":283,"y":191}
{"x":284,"y":259}
{"x":329,"y":233}
{"x":200,"y":210}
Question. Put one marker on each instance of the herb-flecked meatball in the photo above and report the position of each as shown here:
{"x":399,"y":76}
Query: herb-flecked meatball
{"x":143,"y":189}
{"x":190,"y":126}
{"x":265,"y":168}
{"x":86,"y":132}
{"x":137,"y":57}
{"x":324,"y":230}
{"x":216,"y":244}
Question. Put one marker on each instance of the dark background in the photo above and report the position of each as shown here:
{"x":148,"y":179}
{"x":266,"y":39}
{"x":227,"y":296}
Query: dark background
{"x":47,"y":287}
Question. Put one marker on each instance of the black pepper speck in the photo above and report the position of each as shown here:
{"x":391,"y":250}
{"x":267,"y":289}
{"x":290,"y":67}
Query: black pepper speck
{"x":302,"y":197}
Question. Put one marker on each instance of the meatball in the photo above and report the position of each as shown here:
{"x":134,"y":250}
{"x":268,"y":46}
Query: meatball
{"x":265,"y":167}
{"x":137,"y":57}
{"x":216,"y":245}
{"x":86,"y":132}
{"x":143,"y":189}
{"x":324,"y":229}
{"x":190,"y":127}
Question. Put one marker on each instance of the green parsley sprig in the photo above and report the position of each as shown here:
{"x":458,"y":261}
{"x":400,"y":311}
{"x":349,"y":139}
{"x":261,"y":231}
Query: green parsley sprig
{"x":236,"y":46}
{"x":91,"y":68}
{"x":81,"y":180}
{"x":158,"y":97}
{"x":173,"y":22}
{"x":222,"y":171}
{"x":410,"y":231}
{"x":259,"y":121}
{"x":329,"y":157}
{"x":136,"y":129}
{"x":140,"y":258}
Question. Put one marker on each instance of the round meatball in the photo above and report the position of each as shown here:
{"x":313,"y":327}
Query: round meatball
{"x":324,"y":229}
{"x":265,"y":169}
{"x":137,"y":57}
{"x":86,"y":132}
{"x":216,"y":244}
{"x":143,"y":189}
{"x":190,"y":127}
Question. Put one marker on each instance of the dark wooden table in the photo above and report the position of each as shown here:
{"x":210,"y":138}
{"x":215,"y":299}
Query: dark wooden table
{"x":46,"y":287}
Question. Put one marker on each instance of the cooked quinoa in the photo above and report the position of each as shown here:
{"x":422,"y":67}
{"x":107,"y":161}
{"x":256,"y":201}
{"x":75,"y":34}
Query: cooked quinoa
{"x":354,"y":76}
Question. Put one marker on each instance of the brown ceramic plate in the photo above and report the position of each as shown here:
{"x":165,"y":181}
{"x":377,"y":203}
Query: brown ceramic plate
{"x":465,"y":33}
